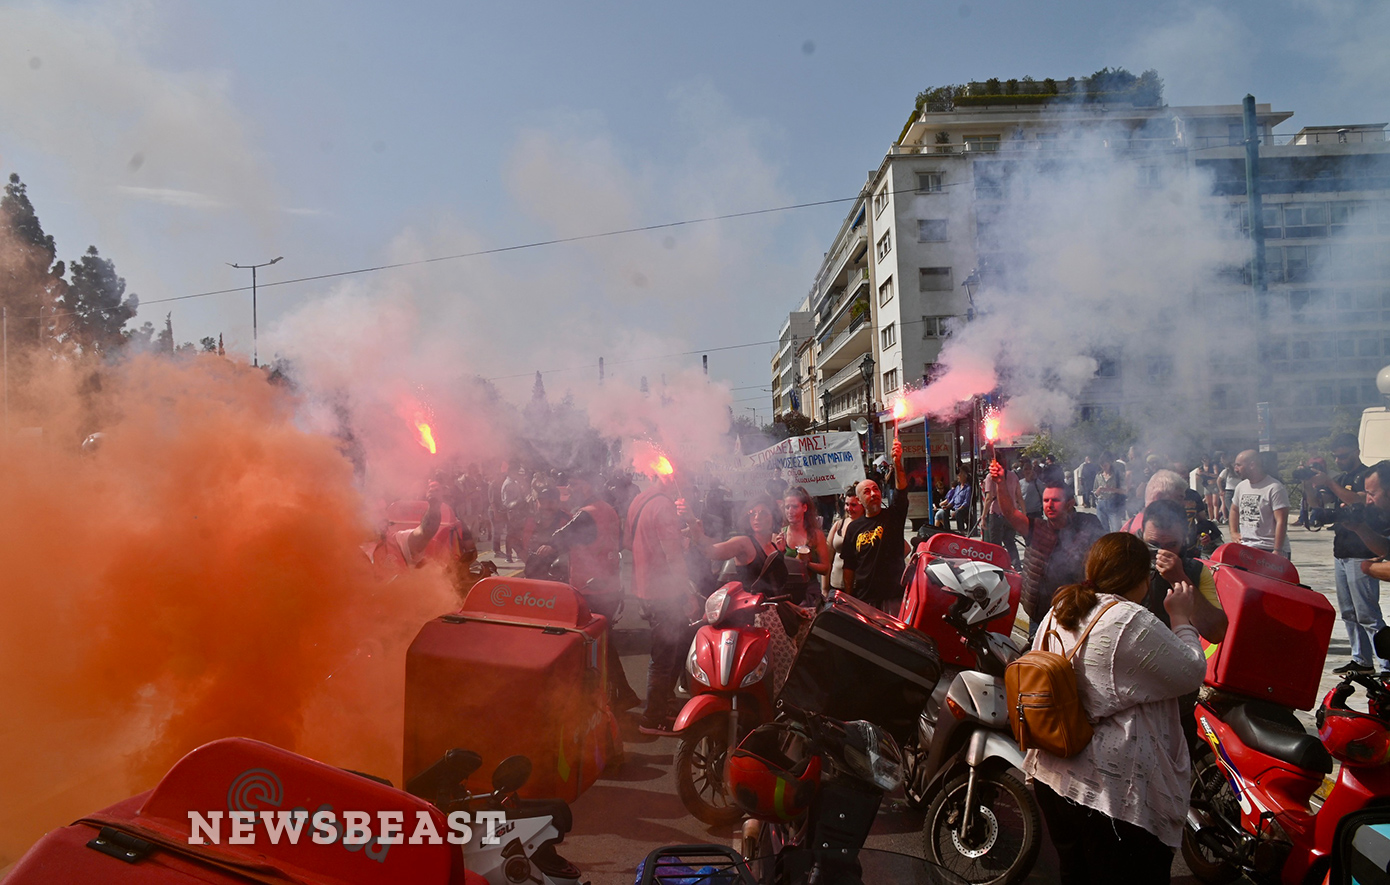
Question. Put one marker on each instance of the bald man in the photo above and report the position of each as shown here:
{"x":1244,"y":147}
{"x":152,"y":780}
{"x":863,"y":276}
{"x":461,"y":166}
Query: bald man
{"x":873,"y":546}
{"x":1259,"y":507}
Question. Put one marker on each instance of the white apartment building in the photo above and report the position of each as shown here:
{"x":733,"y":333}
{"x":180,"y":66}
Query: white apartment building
{"x":918,"y":243}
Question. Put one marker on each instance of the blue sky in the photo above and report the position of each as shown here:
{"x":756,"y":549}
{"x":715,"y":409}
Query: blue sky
{"x":180,"y":136}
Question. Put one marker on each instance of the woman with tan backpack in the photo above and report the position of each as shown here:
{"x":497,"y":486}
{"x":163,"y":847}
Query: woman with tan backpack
{"x":1115,"y":808}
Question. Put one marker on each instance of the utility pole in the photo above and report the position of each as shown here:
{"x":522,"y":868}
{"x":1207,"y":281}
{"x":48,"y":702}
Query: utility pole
{"x":5,"y":331}
{"x":255,"y":345}
{"x":1259,"y":286}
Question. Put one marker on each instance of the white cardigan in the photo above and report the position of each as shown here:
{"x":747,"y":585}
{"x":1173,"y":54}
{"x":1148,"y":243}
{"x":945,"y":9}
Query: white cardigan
{"x":1129,"y":675}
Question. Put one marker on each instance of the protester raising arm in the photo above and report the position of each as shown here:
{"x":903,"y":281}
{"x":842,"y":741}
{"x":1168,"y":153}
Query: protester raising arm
{"x":1007,"y":505}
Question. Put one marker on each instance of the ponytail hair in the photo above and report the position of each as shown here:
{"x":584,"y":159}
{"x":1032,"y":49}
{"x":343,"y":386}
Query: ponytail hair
{"x":1117,"y":563}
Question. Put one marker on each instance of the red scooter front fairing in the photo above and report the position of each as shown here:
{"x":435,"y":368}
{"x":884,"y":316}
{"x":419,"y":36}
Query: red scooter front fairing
{"x":728,"y":668}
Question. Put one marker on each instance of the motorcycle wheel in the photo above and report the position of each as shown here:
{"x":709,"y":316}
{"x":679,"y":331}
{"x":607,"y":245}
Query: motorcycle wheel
{"x":700,"y":772}
{"x":1208,"y":784}
{"x":1005,"y":832}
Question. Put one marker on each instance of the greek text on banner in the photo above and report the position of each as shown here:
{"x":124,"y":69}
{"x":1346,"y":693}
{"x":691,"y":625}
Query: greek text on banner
{"x":822,"y":463}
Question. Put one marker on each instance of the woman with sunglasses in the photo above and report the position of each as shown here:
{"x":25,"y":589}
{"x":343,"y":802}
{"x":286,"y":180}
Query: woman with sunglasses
{"x":853,"y":509}
{"x":757,"y":556}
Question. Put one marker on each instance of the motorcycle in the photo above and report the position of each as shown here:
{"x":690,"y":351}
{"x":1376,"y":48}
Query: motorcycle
{"x":533,"y":827}
{"x":1256,"y":776}
{"x":727,"y":676}
{"x":809,"y":781}
{"x":981,"y":823}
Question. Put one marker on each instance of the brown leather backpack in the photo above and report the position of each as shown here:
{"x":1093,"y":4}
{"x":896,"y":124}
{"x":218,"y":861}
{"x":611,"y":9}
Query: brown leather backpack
{"x":1044,"y":709}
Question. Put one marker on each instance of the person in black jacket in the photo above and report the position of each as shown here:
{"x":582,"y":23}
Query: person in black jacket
{"x":873,"y":546}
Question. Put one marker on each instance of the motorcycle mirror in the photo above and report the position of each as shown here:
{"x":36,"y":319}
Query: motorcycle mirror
{"x":1382,"y":643}
{"x":436,"y":782}
{"x":511,"y":775}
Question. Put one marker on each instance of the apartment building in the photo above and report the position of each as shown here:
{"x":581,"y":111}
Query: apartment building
{"x":922,"y":241}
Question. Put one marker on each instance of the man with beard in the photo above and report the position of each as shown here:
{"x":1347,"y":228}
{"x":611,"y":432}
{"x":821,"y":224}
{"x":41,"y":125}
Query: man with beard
{"x":873,"y":546}
{"x":1058,"y":542}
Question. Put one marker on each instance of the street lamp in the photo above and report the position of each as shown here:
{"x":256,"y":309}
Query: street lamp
{"x":970,"y":284}
{"x":825,"y":407}
{"x":866,"y":371}
{"x":255,"y":349}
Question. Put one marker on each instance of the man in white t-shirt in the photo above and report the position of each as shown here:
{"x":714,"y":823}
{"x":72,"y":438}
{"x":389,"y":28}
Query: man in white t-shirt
{"x":1259,"y":514}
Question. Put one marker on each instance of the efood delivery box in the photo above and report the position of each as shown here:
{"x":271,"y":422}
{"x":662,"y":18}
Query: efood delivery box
{"x":1276,"y":634}
{"x":519,"y":670}
{"x":149,"y":839}
{"x":925,"y":603}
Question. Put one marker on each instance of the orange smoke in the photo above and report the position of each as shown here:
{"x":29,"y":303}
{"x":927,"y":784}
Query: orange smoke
{"x":198,"y":576}
{"x":426,"y":436}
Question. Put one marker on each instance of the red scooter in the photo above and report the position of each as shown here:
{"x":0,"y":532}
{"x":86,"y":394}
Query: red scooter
{"x":731,"y":693}
{"x":1250,"y":797}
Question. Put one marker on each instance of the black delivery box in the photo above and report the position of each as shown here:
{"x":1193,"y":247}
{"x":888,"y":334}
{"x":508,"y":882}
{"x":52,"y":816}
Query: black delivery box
{"x":858,"y":662}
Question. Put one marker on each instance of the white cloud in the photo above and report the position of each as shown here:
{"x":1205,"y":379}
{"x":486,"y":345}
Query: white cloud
{"x":76,"y":86}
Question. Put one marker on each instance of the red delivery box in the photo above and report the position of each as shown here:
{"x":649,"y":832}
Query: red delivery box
{"x":150,"y":839}
{"x":520,"y":670}
{"x":1276,"y":636}
{"x":925,"y":604}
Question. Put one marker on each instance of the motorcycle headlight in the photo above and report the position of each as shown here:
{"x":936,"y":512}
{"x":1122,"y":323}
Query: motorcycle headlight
{"x":756,"y":675}
{"x":693,"y":667}
{"x":876,"y":756}
{"x":715,"y":606}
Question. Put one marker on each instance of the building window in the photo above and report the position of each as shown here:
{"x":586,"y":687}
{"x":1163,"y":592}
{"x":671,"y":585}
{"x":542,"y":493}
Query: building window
{"x":880,"y":200}
{"x":1107,"y":365}
{"x":935,"y":279}
{"x":888,"y":336}
{"x":885,"y":245}
{"x":1150,"y":176}
{"x":931,"y":230}
{"x":890,"y":380}
{"x":1305,"y":220}
{"x":885,"y":291}
{"x":929,"y":182}
{"x":936,"y":327}
{"x":987,"y":143}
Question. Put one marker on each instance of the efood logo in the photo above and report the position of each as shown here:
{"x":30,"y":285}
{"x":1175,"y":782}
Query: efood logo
{"x":502,"y":595}
{"x":254,"y":788}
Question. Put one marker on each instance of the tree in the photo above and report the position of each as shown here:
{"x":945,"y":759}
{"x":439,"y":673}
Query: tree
{"x":538,"y":389}
{"x":97,"y":306}
{"x":209,"y":344}
{"x":30,"y":280}
{"x":165,"y":342}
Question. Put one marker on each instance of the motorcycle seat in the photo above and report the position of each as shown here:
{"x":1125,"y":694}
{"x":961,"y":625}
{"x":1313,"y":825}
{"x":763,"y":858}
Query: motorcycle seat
{"x":557,"y":809}
{"x":1274,"y":731}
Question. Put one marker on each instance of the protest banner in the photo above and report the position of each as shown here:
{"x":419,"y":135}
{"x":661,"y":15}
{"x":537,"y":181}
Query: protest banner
{"x":821,"y":463}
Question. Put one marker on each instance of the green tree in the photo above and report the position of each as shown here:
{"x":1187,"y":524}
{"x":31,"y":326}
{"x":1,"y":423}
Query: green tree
{"x":209,"y":344}
{"x":97,"y":306}
{"x":165,"y":342}
{"x":30,"y":279}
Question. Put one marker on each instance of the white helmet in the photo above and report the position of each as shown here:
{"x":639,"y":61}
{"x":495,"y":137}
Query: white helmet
{"x":984,"y":585}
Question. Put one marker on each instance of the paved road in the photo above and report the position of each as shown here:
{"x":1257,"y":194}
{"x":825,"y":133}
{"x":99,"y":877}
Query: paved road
{"x":634,"y":808}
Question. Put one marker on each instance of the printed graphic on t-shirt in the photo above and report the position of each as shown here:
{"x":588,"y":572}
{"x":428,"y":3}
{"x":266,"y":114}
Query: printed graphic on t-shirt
{"x":868,"y":539}
{"x":1250,"y":509}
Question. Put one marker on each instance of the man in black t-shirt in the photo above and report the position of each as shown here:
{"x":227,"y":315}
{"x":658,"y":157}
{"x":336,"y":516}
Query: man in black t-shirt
{"x":873,"y":546}
{"x":1358,"y":593}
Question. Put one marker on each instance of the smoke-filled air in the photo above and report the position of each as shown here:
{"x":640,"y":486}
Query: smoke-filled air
{"x":1089,"y":255}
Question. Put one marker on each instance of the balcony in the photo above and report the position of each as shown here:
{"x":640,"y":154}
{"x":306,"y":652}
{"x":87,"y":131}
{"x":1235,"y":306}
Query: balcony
{"x":843,"y":379}
{"x":850,"y":344}
{"x":849,"y":404}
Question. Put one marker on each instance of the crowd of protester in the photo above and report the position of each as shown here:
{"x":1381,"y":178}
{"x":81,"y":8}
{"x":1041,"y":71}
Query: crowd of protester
{"x":1113,"y":547}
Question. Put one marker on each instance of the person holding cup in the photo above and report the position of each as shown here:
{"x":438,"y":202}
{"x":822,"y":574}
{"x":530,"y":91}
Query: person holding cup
{"x":806,"y":549}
